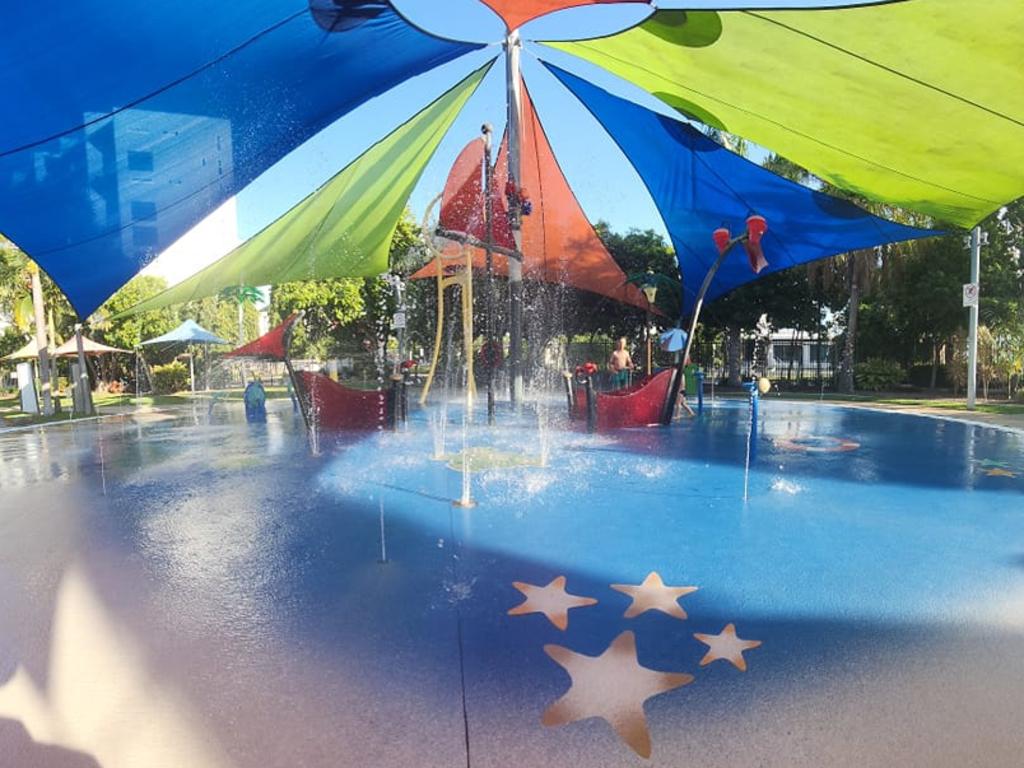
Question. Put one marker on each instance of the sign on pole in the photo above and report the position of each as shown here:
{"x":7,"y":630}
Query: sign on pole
{"x":970,"y":294}
{"x":399,"y":320}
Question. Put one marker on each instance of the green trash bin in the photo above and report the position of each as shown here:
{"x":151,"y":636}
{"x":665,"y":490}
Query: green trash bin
{"x":690,"y":375}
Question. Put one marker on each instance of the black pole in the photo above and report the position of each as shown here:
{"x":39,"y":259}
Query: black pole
{"x":305,"y":403}
{"x":489,"y":358}
{"x":393,"y":403}
{"x":673,"y":392}
{"x":591,"y":395}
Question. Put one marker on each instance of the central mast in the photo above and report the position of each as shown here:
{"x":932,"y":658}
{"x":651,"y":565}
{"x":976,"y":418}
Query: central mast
{"x":513,"y":47}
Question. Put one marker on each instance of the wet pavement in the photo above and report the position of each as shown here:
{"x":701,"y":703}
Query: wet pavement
{"x":192,"y":590}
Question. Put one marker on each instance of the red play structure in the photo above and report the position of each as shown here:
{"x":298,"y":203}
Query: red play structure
{"x":325,"y":403}
{"x":639,"y":405}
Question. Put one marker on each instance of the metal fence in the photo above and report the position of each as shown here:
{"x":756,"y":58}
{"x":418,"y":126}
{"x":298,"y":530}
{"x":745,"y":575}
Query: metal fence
{"x":795,"y":361}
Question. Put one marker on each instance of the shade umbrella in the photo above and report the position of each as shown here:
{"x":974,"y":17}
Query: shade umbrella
{"x":89,"y":347}
{"x":812,"y":85}
{"x":28,"y":352}
{"x":189,"y":332}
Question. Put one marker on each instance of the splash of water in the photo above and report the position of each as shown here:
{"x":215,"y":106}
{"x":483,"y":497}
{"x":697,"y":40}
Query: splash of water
{"x":781,"y":485}
{"x":466,"y":500}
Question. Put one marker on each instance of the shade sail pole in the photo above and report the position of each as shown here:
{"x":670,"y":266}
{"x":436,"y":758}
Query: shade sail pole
{"x":513,"y":47}
{"x":489,"y":359}
{"x":84,"y":390}
{"x":972,"y":337}
{"x":673,"y":392}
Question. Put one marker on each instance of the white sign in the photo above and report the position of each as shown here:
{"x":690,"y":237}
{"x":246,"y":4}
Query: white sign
{"x":399,"y":321}
{"x":27,"y":388}
{"x":970,"y":294}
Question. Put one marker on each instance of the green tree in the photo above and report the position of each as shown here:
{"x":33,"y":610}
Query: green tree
{"x":243,"y":296}
{"x":129,"y":332}
{"x":340,"y":313}
{"x":220,"y":316}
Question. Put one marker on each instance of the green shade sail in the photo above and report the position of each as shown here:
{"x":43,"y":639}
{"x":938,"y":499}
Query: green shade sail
{"x":917,"y":103}
{"x":344,"y":228}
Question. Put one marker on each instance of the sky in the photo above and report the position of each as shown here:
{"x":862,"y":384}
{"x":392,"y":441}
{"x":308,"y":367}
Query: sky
{"x":604,"y":182}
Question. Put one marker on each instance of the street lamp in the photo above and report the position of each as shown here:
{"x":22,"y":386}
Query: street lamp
{"x":649,"y":288}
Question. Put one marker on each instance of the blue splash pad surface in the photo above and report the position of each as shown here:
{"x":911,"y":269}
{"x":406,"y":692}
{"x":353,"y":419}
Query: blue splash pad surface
{"x":879,"y":560}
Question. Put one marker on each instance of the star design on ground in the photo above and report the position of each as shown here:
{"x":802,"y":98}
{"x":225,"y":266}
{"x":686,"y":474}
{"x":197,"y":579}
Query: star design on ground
{"x":612,"y":686}
{"x":999,"y":472}
{"x":726,"y":645}
{"x":551,"y":600}
{"x":653,"y":595}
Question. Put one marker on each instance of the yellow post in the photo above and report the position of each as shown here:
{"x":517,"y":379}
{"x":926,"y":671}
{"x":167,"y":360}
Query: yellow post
{"x":440,"y":327}
{"x":463,"y":278}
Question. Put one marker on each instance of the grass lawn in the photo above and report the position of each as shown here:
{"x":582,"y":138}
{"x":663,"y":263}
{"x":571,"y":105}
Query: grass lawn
{"x":12,"y":416}
{"x":1000,"y":407}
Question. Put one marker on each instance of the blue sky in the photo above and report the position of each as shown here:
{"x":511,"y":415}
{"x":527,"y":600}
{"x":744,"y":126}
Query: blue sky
{"x":604,"y":182}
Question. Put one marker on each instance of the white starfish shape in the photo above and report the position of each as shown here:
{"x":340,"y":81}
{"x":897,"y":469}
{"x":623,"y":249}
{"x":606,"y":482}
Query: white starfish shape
{"x":551,"y":600}
{"x":726,"y":645}
{"x":653,"y":595}
{"x":612,"y":686}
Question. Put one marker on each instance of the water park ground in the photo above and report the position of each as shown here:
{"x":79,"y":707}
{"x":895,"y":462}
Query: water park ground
{"x":180,"y":587}
{"x":995,"y":412}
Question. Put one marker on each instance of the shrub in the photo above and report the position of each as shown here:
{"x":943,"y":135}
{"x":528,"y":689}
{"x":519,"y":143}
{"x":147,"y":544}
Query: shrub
{"x":877,"y":374}
{"x":169,"y":378}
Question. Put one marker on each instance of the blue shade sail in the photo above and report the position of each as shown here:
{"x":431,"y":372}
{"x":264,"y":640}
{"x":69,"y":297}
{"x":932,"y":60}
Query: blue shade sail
{"x":699,"y":186}
{"x":128,"y":122}
{"x":189,"y":332}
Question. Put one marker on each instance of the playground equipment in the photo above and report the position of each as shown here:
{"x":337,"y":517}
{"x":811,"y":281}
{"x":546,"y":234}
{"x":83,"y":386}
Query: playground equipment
{"x":653,"y":399}
{"x":452,"y":269}
{"x":637,"y":405}
{"x":327,"y":405}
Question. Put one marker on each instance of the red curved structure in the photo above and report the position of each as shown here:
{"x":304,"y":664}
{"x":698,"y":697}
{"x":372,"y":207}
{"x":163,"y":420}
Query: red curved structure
{"x":638,"y":405}
{"x":326,"y":404}
{"x":333,"y":406}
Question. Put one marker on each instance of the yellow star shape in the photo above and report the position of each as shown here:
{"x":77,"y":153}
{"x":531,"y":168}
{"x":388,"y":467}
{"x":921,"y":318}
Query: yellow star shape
{"x":653,"y":595}
{"x":725,"y":645}
{"x":999,"y":472}
{"x":552,"y":600}
{"x":612,"y":686}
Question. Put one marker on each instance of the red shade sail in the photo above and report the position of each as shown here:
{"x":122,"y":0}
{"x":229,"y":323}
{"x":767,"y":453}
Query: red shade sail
{"x":515,"y":13}
{"x":269,"y":346}
{"x":559,"y":243}
{"x":462,"y":204}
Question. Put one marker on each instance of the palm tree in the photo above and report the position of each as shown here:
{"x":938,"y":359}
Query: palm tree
{"x":23,"y":289}
{"x":242,"y":294}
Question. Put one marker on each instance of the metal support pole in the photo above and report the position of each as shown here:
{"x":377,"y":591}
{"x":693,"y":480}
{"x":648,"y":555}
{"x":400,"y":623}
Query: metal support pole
{"x":490,"y":358}
{"x":84,"y":390}
{"x":591,"y":395}
{"x":972,"y":338}
{"x":677,"y":380}
{"x":513,"y":47}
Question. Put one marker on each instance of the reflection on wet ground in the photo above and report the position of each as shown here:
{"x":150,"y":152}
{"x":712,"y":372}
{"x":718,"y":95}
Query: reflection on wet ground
{"x":204,"y":592}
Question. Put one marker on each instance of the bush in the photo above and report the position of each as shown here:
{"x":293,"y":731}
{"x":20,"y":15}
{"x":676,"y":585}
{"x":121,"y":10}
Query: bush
{"x":877,"y":374}
{"x":169,"y":378}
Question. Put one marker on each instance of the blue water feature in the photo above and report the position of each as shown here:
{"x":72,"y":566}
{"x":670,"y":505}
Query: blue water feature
{"x":236,"y":584}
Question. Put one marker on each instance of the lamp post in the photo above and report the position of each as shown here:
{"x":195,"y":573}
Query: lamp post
{"x":650,"y":291}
